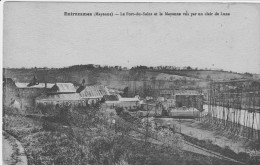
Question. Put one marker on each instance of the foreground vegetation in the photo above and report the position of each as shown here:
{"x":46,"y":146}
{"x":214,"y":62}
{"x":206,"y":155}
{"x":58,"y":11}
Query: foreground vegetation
{"x":88,"y":138}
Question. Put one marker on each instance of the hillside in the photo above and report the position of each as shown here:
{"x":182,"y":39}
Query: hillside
{"x":111,"y":78}
{"x":116,"y":77}
{"x":210,"y":74}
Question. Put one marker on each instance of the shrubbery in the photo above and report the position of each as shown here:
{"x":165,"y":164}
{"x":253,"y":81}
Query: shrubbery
{"x":90,"y":140}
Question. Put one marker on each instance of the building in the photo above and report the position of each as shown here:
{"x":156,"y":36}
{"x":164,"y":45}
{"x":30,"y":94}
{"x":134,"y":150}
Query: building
{"x":58,"y":97}
{"x":112,"y":101}
{"x":189,"y":98}
{"x":10,"y":92}
{"x":93,"y":94}
{"x":129,"y":102}
{"x":60,"y":93}
{"x":23,"y":94}
{"x":27,"y":93}
{"x":166,"y":93}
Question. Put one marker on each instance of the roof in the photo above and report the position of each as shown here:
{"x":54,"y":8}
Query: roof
{"x":128,"y":99}
{"x":60,"y":97}
{"x":63,"y":88}
{"x":40,"y":85}
{"x":187,"y":92}
{"x":94,"y":91}
{"x":112,"y":102}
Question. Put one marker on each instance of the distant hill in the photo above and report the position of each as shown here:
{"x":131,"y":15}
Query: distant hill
{"x":116,"y":77}
{"x":211,"y":74}
{"x":113,"y":78}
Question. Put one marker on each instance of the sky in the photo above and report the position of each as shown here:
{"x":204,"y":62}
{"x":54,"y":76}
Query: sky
{"x":37,"y":34}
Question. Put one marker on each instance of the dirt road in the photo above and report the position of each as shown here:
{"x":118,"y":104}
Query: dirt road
{"x":7,"y":152}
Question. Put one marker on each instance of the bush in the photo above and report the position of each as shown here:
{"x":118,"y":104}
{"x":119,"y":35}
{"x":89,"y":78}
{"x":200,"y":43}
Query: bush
{"x":53,"y":148}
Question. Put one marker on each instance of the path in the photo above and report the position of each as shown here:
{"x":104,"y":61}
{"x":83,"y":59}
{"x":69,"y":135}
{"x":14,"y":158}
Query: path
{"x":13,"y":151}
{"x":7,"y":152}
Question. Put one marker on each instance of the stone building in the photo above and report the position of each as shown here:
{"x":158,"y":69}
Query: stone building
{"x":23,"y":93}
{"x":10,"y":92}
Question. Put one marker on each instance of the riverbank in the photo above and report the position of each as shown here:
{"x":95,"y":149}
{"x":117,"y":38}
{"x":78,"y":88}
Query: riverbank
{"x":205,"y":131}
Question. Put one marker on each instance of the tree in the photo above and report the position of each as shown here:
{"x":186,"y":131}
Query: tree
{"x":189,"y":68}
{"x":125,"y":92}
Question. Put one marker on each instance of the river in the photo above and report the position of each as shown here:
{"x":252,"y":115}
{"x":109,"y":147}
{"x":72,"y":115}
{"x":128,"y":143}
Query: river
{"x":243,"y":117}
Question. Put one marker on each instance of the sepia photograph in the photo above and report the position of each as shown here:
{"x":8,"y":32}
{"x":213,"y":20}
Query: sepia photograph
{"x":133,"y":83}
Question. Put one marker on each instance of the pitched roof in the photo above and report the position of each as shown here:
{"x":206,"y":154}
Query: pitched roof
{"x":63,"y":88}
{"x":95,"y":91}
{"x":60,"y":97}
{"x":40,"y":85}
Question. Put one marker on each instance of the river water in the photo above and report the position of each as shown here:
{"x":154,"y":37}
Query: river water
{"x":243,"y":117}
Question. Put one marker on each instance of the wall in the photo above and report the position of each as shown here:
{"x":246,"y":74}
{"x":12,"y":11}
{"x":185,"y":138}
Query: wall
{"x":27,"y":97}
{"x":10,"y":92}
{"x":195,"y":101}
